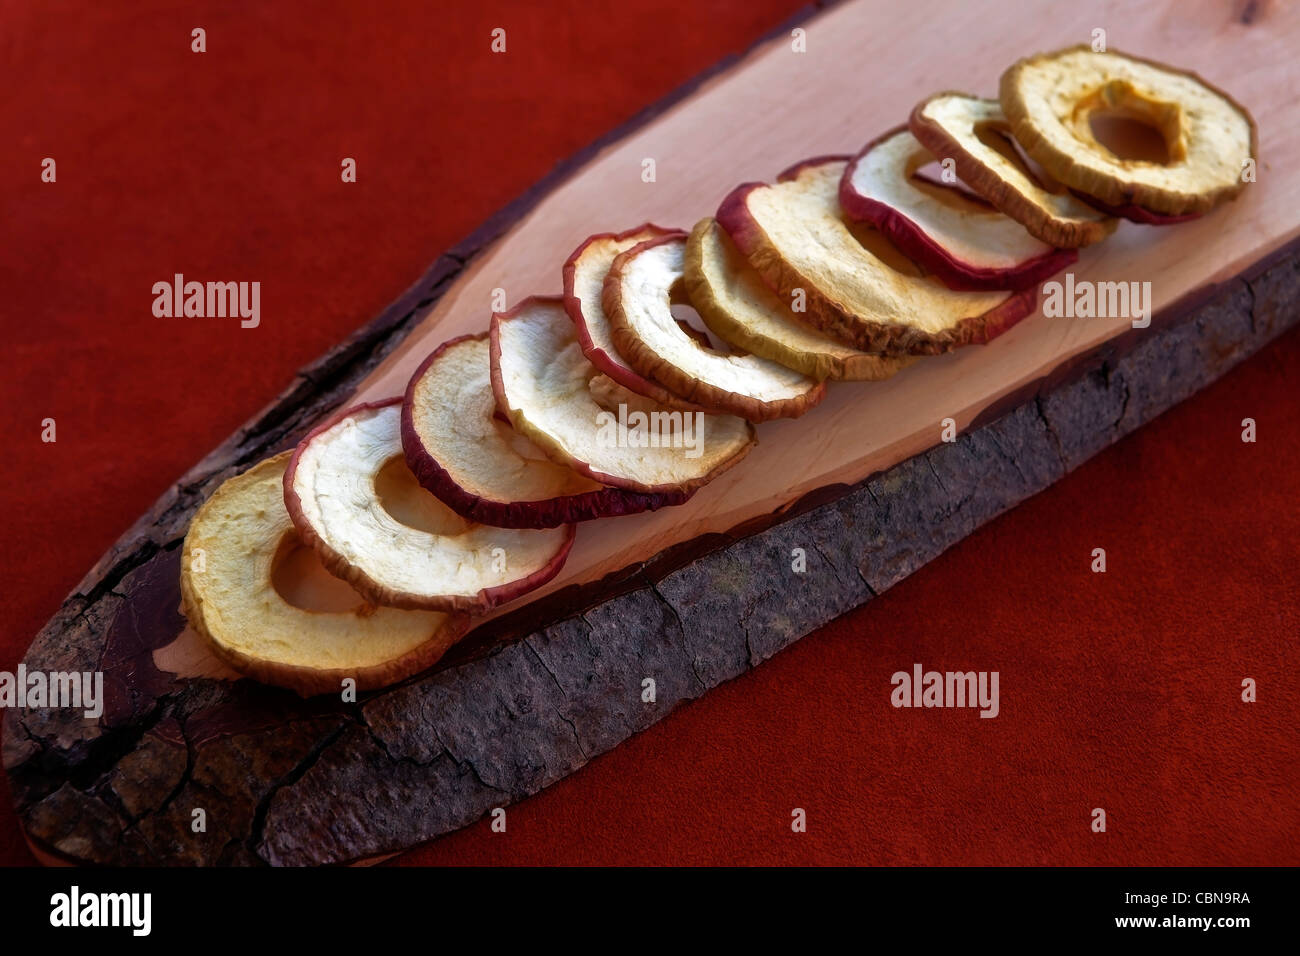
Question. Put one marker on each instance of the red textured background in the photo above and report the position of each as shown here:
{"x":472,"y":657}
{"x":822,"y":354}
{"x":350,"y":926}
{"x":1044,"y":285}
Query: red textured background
{"x":1118,"y":690}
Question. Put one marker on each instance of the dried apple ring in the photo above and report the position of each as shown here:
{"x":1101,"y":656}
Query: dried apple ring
{"x":483,"y":469}
{"x":638,"y":296}
{"x":584,"y":280}
{"x":1210,"y":139}
{"x":354,"y":499}
{"x":794,"y":234}
{"x":580,"y":418}
{"x":967,"y":245}
{"x":739,"y":308}
{"x":973,"y":133}
{"x":232,"y":550}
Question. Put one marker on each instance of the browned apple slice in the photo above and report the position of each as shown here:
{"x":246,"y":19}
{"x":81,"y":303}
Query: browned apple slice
{"x":1206,"y":138}
{"x":352,"y":497}
{"x":975,"y":134}
{"x":739,"y":308}
{"x":554,"y":396}
{"x":795,"y":235}
{"x":466,"y":453}
{"x":584,"y":281}
{"x":235,"y":547}
{"x":968,"y":245}
{"x":639,"y":293}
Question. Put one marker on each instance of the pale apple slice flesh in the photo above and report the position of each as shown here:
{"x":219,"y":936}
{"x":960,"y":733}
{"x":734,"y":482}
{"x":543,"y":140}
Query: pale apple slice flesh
{"x":228,"y":568}
{"x":967,"y":245}
{"x":460,"y":449}
{"x":352,"y":497}
{"x":584,"y":281}
{"x":739,"y":308}
{"x":966,"y":129}
{"x":1051,"y":99}
{"x":795,"y":235}
{"x":639,"y":293}
{"x":555,"y":397}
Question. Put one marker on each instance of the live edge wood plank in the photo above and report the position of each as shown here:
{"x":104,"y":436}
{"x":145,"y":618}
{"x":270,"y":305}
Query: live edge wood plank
{"x":283,"y":781}
{"x":539,"y":691}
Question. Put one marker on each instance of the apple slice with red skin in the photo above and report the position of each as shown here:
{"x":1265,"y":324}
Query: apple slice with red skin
{"x":232,"y":600}
{"x":1139,"y":214}
{"x":794,"y":234}
{"x":966,"y":245}
{"x":352,"y":497}
{"x":462,"y":448}
{"x":639,"y":292}
{"x":975,"y":134}
{"x":738,"y":307}
{"x":561,"y":402}
{"x":584,"y":280}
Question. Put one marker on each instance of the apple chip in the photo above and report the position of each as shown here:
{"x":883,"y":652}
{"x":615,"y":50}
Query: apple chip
{"x":975,"y":135}
{"x":231,"y":553}
{"x":352,"y":497}
{"x":739,"y":308}
{"x":638,"y":298}
{"x":794,"y":233}
{"x":483,"y":469}
{"x":1209,"y":138}
{"x":968,"y":245}
{"x":554,"y":396}
{"x":584,"y":282}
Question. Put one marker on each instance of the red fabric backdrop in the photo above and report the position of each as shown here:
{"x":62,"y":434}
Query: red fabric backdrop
{"x":1118,"y":690}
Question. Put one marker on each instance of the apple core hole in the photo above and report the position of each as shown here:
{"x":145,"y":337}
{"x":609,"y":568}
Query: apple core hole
{"x":410,"y":504}
{"x":1128,"y":137}
{"x":299,"y":577}
{"x":689,"y":321}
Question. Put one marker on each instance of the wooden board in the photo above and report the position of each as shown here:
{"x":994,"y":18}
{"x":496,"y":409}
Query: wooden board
{"x":859,"y":77}
{"x":865,"y":65}
{"x":748,"y":116}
